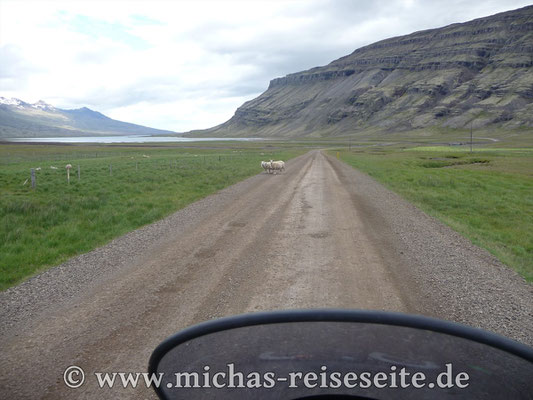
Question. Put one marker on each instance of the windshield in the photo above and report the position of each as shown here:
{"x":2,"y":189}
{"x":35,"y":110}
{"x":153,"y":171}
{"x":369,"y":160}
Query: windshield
{"x":345,"y":358}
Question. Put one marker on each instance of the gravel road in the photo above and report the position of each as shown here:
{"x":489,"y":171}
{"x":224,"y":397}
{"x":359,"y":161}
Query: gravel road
{"x":319,"y":235}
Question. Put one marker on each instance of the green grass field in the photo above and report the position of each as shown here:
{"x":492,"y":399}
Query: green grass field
{"x":45,"y":226}
{"x":486,"y":195}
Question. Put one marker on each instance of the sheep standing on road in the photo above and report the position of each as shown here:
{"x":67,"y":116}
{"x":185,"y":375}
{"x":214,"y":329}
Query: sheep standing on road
{"x":277,"y":165}
{"x":266,"y":166}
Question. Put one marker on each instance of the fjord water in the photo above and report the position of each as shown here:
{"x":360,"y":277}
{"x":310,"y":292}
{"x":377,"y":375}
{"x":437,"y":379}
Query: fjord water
{"x":122,"y":139}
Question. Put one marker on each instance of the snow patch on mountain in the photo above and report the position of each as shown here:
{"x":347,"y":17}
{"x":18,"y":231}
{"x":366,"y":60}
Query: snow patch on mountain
{"x":41,"y":105}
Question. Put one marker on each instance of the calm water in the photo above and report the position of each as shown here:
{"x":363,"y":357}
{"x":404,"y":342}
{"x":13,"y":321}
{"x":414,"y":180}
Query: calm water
{"x":121,"y":139}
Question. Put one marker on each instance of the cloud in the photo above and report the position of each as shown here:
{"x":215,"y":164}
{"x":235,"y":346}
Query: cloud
{"x":184,"y":65}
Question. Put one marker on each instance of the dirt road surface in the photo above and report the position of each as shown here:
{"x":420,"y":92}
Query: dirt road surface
{"x":319,"y":235}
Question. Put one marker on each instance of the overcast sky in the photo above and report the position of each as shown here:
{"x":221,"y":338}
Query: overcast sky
{"x":183,"y":65}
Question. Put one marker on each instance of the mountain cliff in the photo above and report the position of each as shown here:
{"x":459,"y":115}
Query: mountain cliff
{"x":476,"y":73}
{"x":21,"y":119}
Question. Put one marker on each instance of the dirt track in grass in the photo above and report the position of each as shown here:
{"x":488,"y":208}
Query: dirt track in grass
{"x":321,"y":234}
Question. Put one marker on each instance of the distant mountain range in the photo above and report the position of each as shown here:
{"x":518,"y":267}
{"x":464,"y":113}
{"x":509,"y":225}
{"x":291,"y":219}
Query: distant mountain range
{"x":477,"y":73}
{"x":21,"y":119}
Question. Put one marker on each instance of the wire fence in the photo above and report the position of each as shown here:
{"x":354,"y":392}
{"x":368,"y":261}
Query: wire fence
{"x":53,"y":170}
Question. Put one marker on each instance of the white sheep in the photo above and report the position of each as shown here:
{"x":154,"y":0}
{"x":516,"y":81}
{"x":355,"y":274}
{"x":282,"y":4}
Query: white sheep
{"x":277,"y":165}
{"x":266,"y":166}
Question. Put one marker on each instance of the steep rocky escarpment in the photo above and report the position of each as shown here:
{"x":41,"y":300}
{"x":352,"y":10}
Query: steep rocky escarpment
{"x":478,"y":73}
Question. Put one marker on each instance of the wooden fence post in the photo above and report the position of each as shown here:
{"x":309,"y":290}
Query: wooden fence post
{"x":68,"y":167}
{"x":33,"y":178}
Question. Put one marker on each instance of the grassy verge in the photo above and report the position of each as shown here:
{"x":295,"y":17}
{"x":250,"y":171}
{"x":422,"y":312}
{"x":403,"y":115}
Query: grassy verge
{"x":45,"y":226}
{"x":487,"y":195}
